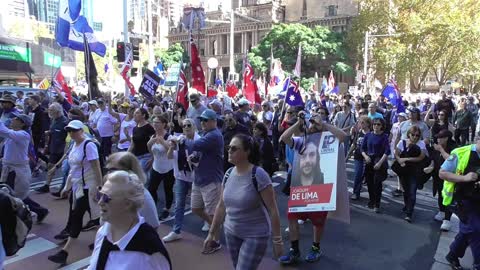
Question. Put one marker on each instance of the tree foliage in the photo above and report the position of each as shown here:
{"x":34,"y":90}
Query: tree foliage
{"x":321,"y":49}
{"x":174,"y":54}
{"x":29,"y":29}
{"x":439,"y":37}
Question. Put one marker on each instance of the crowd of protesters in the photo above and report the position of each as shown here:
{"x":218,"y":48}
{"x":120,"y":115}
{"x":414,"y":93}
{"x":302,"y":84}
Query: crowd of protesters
{"x":114,"y":153}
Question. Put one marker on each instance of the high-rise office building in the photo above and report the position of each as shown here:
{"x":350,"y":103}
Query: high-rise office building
{"x":17,"y":8}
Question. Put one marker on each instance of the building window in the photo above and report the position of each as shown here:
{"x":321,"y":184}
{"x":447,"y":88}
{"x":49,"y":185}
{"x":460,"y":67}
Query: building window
{"x":238,"y":43}
{"x":332,"y":10}
{"x":224,"y":44}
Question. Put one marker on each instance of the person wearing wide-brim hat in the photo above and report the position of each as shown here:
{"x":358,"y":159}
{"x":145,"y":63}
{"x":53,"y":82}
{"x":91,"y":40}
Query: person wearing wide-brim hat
{"x":7,"y":104}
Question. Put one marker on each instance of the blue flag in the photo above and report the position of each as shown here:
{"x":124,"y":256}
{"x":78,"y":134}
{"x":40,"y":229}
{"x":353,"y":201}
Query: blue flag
{"x":292,"y":96}
{"x":71,"y":27}
{"x":393,"y":95}
{"x":159,"y":70}
{"x":335,"y":90}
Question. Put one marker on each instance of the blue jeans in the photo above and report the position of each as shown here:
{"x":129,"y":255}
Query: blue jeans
{"x":358,"y":180}
{"x":346,"y":145}
{"x":409,"y":184}
{"x":462,"y":241}
{"x":143,"y":159}
{"x":181,"y":191}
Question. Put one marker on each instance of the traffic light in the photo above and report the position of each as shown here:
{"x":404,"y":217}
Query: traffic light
{"x":133,"y":72}
{"x":120,"y":52}
{"x":136,"y":52}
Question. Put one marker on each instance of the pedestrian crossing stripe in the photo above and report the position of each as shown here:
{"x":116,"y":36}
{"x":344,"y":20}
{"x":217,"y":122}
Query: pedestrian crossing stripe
{"x":32,"y":248}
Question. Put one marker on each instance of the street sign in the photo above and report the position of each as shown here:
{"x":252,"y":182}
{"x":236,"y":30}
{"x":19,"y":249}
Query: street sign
{"x":149,"y":84}
{"x":172,"y":75}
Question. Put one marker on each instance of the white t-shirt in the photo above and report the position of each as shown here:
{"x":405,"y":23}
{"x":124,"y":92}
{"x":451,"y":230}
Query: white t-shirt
{"x":161,"y":163}
{"x":129,"y":125}
{"x":75,"y":159}
{"x":105,"y":123}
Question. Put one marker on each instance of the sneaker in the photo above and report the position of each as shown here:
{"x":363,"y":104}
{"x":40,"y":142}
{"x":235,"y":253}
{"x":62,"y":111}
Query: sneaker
{"x":314,"y":254}
{"x":58,"y":195}
{"x":376,"y":210}
{"x":212,"y":247}
{"x":291,"y":258}
{"x":42,"y":216}
{"x":446,"y":226}
{"x":397,"y":193}
{"x":439,"y":216}
{"x":60,"y":257}
{"x":43,"y":189}
{"x":354,"y":197}
{"x":164,"y":215}
{"x":172,"y":236}
{"x":63,"y":235}
{"x":453,"y":261}
{"x":91,"y":224}
{"x":287,"y":230}
{"x":206,"y":227}
{"x":408,"y":219}
{"x":301,"y":222}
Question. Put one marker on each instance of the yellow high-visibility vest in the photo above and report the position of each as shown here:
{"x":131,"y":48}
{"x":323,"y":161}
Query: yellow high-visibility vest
{"x":463,"y":156}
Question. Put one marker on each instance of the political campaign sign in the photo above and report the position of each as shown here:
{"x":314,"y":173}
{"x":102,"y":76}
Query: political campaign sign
{"x":314,"y":175}
{"x":149,"y":84}
{"x":172,"y":75}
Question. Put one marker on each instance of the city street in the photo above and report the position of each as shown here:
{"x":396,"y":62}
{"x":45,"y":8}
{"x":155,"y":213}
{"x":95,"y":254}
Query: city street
{"x":371,"y":241}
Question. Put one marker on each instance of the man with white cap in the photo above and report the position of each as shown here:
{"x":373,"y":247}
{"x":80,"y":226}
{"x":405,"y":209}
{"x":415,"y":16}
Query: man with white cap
{"x":216,"y":106}
{"x":243,"y":115}
{"x":93,"y":114}
{"x":15,"y":163}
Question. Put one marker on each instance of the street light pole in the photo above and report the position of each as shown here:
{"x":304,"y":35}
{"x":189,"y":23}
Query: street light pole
{"x":232,"y":40}
{"x":150,"y":34}
{"x":125,"y":35}
{"x":365,"y":60}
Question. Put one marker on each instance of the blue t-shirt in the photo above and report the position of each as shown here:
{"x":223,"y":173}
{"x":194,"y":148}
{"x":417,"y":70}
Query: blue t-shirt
{"x":210,"y":167}
{"x":376,"y":145}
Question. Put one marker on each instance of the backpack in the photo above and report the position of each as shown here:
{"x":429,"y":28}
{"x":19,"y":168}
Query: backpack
{"x":254,"y":180}
{"x":101,"y":158}
{"x":18,"y":221}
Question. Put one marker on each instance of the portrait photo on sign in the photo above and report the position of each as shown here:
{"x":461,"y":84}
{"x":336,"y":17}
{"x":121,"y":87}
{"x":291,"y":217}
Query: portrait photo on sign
{"x":314,"y":173}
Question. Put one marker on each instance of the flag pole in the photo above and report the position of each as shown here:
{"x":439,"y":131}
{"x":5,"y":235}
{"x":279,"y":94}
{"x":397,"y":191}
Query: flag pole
{"x":176,"y":87}
{"x":87,"y":66}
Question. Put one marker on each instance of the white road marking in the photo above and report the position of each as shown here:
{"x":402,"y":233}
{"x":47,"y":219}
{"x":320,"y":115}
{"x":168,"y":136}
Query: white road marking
{"x":77,"y":265}
{"x":32,"y":248}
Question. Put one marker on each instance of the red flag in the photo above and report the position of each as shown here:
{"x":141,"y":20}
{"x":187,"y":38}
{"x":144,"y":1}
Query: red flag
{"x":212,"y":92}
{"x":331,"y":81}
{"x":127,"y":80}
{"x":182,"y":93}
{"x":232,"y":89}
{"x":198,"y":78}
{"x":250,"y":89}
{"x":60,"y":83}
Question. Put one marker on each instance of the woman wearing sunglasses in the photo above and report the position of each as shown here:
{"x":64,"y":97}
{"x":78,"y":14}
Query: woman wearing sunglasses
{"x":375,"y":151}
{"x":180,"y":148}
{"x":85,"y":174}
{"x":128,"y":162}
{"x":126,"y":241}
{"x":162,"y":167}
{"x":409,"y":153}
{"x":438,"y":124}
{"x":248,"y":212}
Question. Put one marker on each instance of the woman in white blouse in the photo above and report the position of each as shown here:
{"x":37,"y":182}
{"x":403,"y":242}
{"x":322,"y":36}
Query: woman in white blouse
{"x":126,"y":241}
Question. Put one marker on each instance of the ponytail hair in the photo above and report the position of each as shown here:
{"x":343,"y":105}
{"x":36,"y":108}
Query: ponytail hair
{"x":249,"y":144}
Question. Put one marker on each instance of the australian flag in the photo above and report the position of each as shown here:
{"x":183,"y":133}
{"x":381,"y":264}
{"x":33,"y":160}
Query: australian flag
{"x":292,"y":96}
{"x":393,"y":95}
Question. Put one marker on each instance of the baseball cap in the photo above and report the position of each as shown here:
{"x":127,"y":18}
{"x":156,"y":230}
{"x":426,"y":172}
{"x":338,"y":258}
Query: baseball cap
{"x":93,"y":102}
{"x":27,"y":120}
{"x":208,"y":115}
{"x":8,"y":98}
{"x":125,"y":105}
{"x":402,"y":114}
{"x":243,"y":102}
{"x":74,"y":125}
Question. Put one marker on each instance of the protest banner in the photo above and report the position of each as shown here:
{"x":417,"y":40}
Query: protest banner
{"x":172,"y":75}
{"x":314,"y":175}
{"x":149,"y":84}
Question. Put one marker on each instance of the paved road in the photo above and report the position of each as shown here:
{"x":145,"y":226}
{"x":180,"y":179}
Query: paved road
{"x":371,"y":241}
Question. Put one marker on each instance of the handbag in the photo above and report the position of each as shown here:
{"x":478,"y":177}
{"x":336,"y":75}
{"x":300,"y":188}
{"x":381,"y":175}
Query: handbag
{"x":413,"y":151}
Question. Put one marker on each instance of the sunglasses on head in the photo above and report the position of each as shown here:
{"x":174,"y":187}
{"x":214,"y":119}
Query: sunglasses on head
{"x":102,"y":197}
